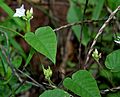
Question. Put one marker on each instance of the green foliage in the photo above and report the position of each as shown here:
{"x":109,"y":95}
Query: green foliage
{"x":32,"y":51}
{"x":23,"y":88}
{"x":17,"y":61}
{"x":112,"y":61}
{"x":3,"y":62}
{"x":74,"y":15}
{"x":11,"y":33}
{"x":10,"y":12}
{"x":6,"y":91}
{"x":106,"y":74}
{"x":78,"y":83}
{"x":114,"y":94}
{"x":113,"y":3}
{"x":55,"y":93}
{"x":97,"y":10}
{"x":44,"y":41}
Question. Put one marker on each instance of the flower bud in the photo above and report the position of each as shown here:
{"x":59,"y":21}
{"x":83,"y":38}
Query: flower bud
{"x":20,"y":12}
{"x":47,"y":72}
{"x":95,"y":55}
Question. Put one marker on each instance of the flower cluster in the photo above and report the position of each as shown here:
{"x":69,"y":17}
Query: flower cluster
{"x":96,"y":55}
{"x":21,"y":12}
{"x":47,"y":72}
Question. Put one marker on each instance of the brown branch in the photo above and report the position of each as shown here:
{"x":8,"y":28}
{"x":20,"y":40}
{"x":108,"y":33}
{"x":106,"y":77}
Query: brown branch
{"x":99,"y":33}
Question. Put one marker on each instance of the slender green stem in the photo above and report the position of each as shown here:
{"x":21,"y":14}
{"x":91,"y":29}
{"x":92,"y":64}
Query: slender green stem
{"x":2,"y":28}
{"x":105,"y":72}
{"x":28,"y":28}
{"x":51,"y":84}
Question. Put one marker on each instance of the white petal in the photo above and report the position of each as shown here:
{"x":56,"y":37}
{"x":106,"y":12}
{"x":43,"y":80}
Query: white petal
{"x":22,"y":6}
{"x":117,"y":41}
{"x":31,"y":10}
{"x":20,"y":12}
{"x":96,"y":51}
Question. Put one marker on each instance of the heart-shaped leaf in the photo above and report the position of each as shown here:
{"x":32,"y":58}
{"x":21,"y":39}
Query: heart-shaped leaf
{"x":112,"y":61}
{"x":44,"y":41}
{"x":83,"y":84}
{"x":55,"y":93}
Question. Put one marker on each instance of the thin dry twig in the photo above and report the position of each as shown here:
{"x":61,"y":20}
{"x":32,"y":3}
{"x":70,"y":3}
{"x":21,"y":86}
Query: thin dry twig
{"x":35,"y":82}
{"x":110,"y":90}
{"x":99,"y":33}
{"x":117,"y":22}
{"x":77,"y":23}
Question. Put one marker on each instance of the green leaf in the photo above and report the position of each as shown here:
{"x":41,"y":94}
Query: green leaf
{"x":86,"y":36}
{"x":106,"y":74}
{"x":6,"y":8}
{"x":113,"y":4}
{"x":1,"y":69}
{"x":97,"y":10}
{"x":83,"y":84}
{"x":11,"y":33}
{"x":91,"y":2}
{"x":74,"y":15}
{"x":112,"y":61}
{"x":17,"y":46}
{"x":55,"y":93}
{"x":8,"y":75}
{"x":23,"y":88}
{"x":116,"y":94}
{"x":116,"y":76}
{"x":74,"y":12}
{"x":4,"y":62}
{"x":44,"y":41}
{"x":32,"y":51}
{"x":17,"y":61}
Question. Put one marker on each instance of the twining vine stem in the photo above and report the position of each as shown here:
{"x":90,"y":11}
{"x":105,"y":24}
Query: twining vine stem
{"x":77,"y":23}
{"x":99,"y":33}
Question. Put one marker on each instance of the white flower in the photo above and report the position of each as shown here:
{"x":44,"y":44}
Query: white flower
{"x":20,"y":12}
